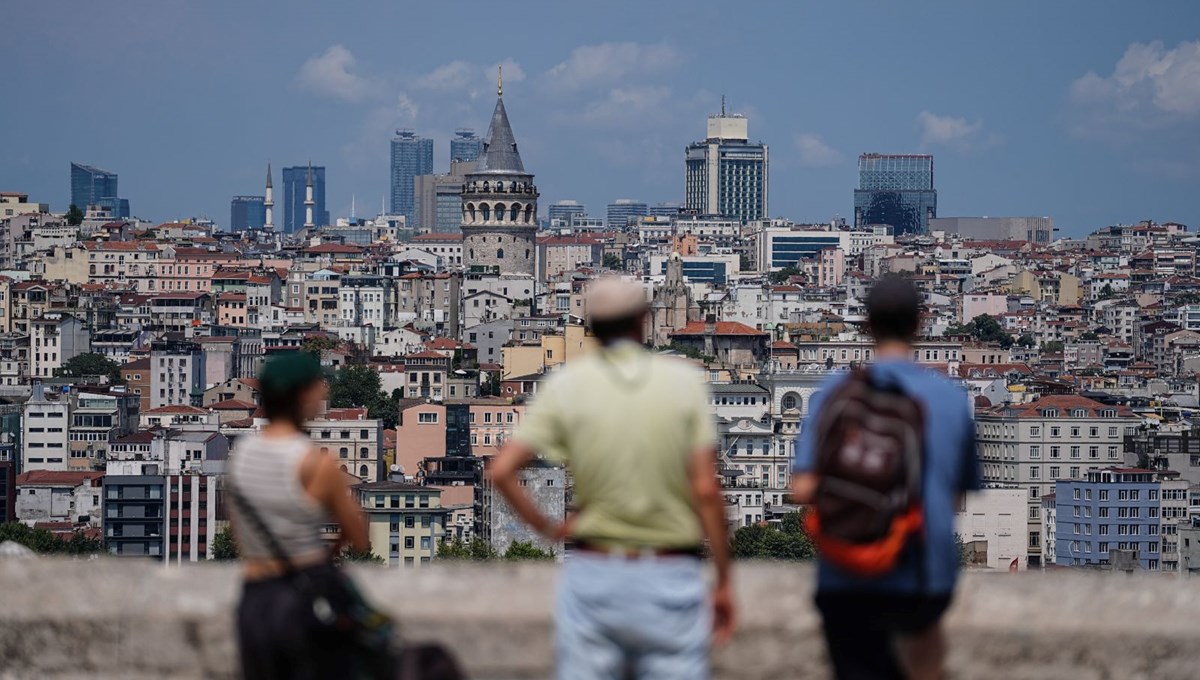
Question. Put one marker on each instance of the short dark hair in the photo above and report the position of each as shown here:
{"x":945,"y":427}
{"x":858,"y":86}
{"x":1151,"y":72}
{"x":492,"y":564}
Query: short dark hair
{"x":282,"y":380}
{"x":893,"y":310}
{"x":615,"y":329}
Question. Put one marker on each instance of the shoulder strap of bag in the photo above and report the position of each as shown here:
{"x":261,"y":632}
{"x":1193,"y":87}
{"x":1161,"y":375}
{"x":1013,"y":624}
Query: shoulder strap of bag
{"x":260,"y":526}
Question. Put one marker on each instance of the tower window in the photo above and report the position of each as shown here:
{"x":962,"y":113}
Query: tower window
{"x":499,"y":253}
{"x":499,"y":212}
{"x":487,"y":211}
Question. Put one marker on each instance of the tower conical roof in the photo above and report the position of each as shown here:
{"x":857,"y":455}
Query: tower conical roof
{"x":499,"y":145}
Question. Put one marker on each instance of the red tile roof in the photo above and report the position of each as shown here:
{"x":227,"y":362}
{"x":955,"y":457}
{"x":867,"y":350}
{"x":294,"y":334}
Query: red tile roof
{"x":233,"y":405}
{"x":57,"y":477}
{"x":721,"y":328}
{"x":354,"y":413}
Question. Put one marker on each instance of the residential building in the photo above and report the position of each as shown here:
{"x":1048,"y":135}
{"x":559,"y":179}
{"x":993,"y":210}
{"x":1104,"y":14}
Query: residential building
{"x":1050,"y":528}
{"x":59,"y":496}
{"x":45,"y":423}
{"x":295,"y":182}
{"x":500,"y":526}
{"x":994,"y":528}
{"x":1111,"y":510}
{"x":895,"y":190}
{"x":247,"y":212}
{"x":17,"y":203}
{"x":191,"y":517}
{"x":1057,"y":437}
{"x":726,"y":175}
{"x":177,"y":373}
{"x":406,"y":522}
{"x":134,"y":518}
{"x":355,"y":440}
{"x":411,"y":156}
{"x":56,"y":338}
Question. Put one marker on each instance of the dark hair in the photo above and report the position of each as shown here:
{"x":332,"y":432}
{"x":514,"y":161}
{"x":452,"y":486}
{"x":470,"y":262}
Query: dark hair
{"x":609,"y":330}
{"x":281,"y":382}
{"x":893,"y":310}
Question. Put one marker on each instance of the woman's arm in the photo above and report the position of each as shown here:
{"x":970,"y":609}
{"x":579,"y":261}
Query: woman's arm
{"x":326,"y":483}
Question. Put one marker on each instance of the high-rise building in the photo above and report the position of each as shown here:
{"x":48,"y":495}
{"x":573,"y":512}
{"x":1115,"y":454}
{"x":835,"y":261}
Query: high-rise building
{"x":295,"y":180}
{"x":465,"y":146}
{"x":895,"y":190}
{"x":439,"y":199}
{"x":247,"y":212}
{"x":564,"y":212}
{"x":663,"y":210}
{"x":411,"y":156}
{"x":499,"y":204}
{"x":92,"y":186}
{"x":1034,"y":229}
{"x":621,"y":211}
{"x":725,"y":174}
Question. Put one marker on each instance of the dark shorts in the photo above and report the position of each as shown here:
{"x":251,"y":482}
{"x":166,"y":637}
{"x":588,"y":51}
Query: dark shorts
{"x":276,"y":637}
{"x":861,"y":629}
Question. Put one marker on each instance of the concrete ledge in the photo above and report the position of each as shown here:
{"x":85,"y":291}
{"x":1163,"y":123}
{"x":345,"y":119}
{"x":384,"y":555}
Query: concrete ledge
{"x":122,"y":619}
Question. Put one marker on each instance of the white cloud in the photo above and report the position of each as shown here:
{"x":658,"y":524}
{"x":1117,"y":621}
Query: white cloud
{"x":332,"y":75}
{"x":606,"y":63}
{"x":1148,"y":79}
{"x":950,"y":131}
{"x":814,"y":152}
{"x":468,"y":78}
{"x":625,"y":107}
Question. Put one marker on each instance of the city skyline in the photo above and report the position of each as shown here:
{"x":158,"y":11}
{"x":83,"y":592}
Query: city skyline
{"x":1090,"y":134}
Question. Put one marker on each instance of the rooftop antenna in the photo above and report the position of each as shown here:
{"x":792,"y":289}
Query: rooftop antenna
{"x":500,"y":80}
{"x":722,"y":106}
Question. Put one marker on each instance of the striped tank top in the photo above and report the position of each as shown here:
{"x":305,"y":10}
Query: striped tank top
{"x":266,"y":472}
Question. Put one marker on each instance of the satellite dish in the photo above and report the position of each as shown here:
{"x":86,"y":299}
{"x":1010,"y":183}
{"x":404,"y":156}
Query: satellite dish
{"x":396,"y":468}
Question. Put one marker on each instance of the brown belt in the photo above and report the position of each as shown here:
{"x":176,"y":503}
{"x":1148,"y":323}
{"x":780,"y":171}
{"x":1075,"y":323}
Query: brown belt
{"x":630,"y":553}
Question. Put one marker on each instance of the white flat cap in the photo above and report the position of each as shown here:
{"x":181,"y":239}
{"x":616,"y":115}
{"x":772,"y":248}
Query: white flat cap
{"x":610,"y":297}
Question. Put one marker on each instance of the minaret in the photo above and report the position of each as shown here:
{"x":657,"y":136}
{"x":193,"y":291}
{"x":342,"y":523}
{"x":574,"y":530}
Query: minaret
{"x":269,"y":202}
{"x":308,"y":200}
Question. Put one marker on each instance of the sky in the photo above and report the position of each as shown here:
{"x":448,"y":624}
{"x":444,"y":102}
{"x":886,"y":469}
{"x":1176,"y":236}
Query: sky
{"x":1087,"y":111}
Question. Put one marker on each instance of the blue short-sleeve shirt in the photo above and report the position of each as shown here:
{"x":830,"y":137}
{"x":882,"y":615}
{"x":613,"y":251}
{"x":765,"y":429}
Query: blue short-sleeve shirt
{"x":951,"y":468}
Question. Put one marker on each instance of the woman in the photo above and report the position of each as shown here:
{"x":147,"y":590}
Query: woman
{"x":282,"y":485}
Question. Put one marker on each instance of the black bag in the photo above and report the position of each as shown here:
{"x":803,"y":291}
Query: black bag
{"x":340,"y":610}
{"x":870,"y":445}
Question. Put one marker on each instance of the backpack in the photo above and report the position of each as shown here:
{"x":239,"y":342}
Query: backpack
{"x":870,"y":444}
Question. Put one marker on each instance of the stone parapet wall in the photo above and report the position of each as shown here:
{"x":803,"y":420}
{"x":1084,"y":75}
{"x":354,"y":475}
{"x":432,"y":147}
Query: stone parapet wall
{"x":126,"y":619}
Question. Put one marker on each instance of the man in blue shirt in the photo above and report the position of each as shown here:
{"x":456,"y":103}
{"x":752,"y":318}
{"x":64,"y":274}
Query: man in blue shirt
{"x":888,"y":627}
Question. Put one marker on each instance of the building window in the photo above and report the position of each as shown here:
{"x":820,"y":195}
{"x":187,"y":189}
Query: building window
{"x":427,"y":418}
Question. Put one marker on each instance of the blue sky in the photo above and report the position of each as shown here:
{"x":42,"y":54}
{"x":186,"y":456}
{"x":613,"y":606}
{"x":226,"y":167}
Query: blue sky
{"x":1087,"y":111}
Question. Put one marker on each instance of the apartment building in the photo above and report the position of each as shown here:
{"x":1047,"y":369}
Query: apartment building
{"x":354,"y":439}
{"x":406,"y":522}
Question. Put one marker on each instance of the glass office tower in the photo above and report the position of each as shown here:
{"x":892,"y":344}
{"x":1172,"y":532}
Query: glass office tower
{"x":294,"y":179}
{"x":93,"y":186}
{"x":726,"y":175}
{"x":411,"y":156}
{"x":621,"y":211}
{"x":248,"y":212}
{"x":895,"y":190}
{"x":465,"y":146}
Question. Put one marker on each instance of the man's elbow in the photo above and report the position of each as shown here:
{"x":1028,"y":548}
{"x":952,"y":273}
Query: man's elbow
{"x":804,"y":488}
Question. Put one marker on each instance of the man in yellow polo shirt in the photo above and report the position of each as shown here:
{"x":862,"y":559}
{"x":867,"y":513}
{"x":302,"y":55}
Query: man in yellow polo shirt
{"x":634,"y":429}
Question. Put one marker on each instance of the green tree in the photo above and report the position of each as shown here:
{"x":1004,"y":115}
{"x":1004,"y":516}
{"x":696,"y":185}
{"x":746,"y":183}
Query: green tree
{"x":1107,"y":292}
{"x":745,"y":263}
{"x":787,"y":542}
{"x":781,"y":276}
{"x":475,"y":550}
{"x":526,"y":550}
{"x":688,"y":351}
{"x":43,"y":542}
{"x":224,"y":547}
{"x":984,"y":328}
{"x":74,"y":216}
{"x":359,"y":556}
{"x":964,"y":553}
{"x":315,"y":344}
{"x":90,"y":363}
{"x":1090,"y":335}
{"x":612,"y":261}
{"x":357,"y":385}
{"x":1052,"y":347}
{"x":1026,"y":340}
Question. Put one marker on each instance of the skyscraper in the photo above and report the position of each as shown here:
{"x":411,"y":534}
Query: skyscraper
{"x":896,"y":190}
{"x":439,"y":200}
{"x":564,"y":212}
{"x":464,"y":146}
{"x":499,"y":203}
{"x":92,"y":186}
{"x":726,"y":175}
{"x":247,"y":212}
{"x":411,"y":156}
{"x":295,"y":179}
{"x":622,"y":210}
{"x":664,"y":210}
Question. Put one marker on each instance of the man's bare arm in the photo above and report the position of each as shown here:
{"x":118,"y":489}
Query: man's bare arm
{"x":710,"y":507}
{"x":804,"y":488}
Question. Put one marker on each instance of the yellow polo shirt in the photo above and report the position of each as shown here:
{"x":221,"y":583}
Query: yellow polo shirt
{"x":625,"y":422}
